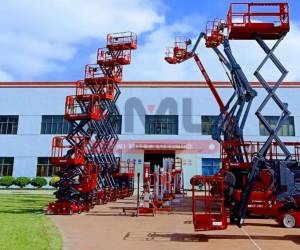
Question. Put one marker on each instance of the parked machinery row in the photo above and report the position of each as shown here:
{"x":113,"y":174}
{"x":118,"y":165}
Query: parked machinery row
{"x":161,"y":186}
{"x":261,"y":178}
{"x":89,"y":172}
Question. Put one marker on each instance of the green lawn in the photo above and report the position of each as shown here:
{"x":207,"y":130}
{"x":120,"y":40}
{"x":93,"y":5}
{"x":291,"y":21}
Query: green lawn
{"x":23,"y":224}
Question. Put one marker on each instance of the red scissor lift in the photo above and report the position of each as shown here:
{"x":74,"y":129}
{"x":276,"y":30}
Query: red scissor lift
{"x":78,"y":178}
{"x":85,"y":155}
{"x":261,"y":194}
{"x":110,"y":61}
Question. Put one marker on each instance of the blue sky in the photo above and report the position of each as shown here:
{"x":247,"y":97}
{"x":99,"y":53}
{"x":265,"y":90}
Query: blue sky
{"x":217,"y":8}
{"x":52,"y":40}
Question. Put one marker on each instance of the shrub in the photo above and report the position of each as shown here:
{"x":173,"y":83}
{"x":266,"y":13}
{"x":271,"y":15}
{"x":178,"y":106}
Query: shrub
{"x":22,"y":181}
{"x":38,"y":182}
{"x":53,"y":180}
{"x":7,"y":181}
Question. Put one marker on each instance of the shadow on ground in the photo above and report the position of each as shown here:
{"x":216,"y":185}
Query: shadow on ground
{"x":183,"y":237}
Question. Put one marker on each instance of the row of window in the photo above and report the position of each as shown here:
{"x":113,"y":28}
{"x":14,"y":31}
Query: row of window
{"x":210,"y":166}
{"x":168,"y":125}
{"x":288,"y":128}
{"x":9,"y":124}
{"x":44,"y":167}
{"x":51,"y":124}
{"x":161,"y":124}
{"x":154,"y":124}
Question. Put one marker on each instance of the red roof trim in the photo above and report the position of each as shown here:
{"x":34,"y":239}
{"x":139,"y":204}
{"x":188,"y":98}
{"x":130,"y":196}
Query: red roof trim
{"x":139,"y":84}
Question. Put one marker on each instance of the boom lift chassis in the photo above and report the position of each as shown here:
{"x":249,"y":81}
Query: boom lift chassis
{"x":261,"y":178}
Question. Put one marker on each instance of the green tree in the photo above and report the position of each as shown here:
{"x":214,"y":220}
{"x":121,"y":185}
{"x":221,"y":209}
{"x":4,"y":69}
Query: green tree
{"x":38,"y":182}
{"x":22,"y":181}
{"x":7,"y":181}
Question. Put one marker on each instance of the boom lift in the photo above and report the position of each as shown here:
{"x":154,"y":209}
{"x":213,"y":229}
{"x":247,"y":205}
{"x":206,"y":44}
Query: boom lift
{"x":261,"y":178}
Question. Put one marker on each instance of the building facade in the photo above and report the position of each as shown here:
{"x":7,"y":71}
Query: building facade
{"x":159,"y":120}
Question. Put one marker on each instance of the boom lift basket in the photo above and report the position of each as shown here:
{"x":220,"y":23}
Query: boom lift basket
{"x":208,"y":203}
{"x":179,"y":52}
{"x":214,"y":33}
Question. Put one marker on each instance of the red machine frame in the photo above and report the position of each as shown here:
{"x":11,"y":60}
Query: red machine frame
{"x":262,"y":200}
{"x":105,"y":57}
{"x":121,"y":41}
{"x":61,"y":145}
{"x":75,"y":104}
{"x":209,"y":212}
{"x":214,"y":33}
{"x":246,"y":29}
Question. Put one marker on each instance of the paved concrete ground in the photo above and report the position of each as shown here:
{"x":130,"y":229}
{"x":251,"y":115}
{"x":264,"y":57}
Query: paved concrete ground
{"x":105,"y":228}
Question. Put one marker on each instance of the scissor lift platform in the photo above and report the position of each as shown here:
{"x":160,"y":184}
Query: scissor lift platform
{"x":121,"y":41}
{"x":66,"y":153}
{"x":267,"y":20}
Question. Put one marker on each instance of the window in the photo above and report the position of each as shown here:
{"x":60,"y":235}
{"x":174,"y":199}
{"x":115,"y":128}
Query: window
{"x":288,"y":128}
{"x":161,"y":124}
{"x":207,"y":122}
{"x":6,"y":166}
{"x":45,"y":168}
{"x":210,"y":166}
{"x":55,"y":124}
{"x":9,"y":124}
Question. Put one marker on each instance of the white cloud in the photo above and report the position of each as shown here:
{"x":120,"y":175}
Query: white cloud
{"x":148,"y":63}
{"x":249,"y":55}
{"x":38,"y":36}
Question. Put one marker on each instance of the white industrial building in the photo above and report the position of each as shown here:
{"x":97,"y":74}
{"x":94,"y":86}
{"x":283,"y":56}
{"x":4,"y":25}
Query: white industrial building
{"x":159,"y":119}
